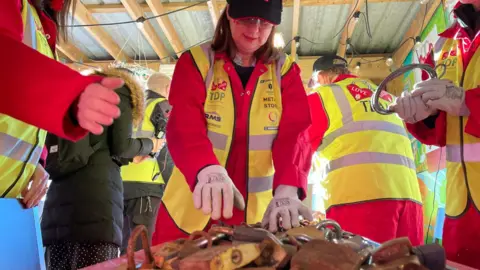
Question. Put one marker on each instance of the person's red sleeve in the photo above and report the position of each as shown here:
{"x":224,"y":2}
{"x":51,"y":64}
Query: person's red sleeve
{"x":291,"y":151}
{"x":319,"y":120}
{"x":431,"y":131}
{"x":36,"y":89}
{"x":187,"y":138}
{"x":472,"y":100}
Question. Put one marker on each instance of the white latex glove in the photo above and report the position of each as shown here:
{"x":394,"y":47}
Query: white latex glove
{"x":213,"y":185}
{"x":442,"y":95}
{"x":285,"y":204}
{"x":36,"y":188}
{"x":412,"y":109}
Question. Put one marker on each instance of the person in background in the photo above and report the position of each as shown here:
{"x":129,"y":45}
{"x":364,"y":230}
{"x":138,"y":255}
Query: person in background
{"x":237,"y":130}
{"x":446,"y":112}
{"x":143,"y":183}
{"x":70,"y":104}
{"x":369,"y":174}
{"x":83,"y":214}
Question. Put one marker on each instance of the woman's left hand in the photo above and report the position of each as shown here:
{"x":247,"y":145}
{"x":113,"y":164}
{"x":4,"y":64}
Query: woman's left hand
{"x":36,"y":188}
{"x":285,"y":204}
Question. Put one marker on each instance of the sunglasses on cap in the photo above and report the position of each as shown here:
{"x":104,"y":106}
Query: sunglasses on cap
{"x":252,"y":22}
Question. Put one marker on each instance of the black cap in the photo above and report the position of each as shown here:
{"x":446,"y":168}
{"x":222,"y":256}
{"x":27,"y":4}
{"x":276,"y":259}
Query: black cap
{"x":269,"y":10}
{"x":329,"y":61}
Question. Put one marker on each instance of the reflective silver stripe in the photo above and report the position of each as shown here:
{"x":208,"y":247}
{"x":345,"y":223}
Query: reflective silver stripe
{"x":343,"y":104}
{"x":278,"y":68}
{"x":261,"y":142}
{"x":439,"y":45}
{"x":219,"y":141}
{"x":363,"y":126}
{"x":259,"y":184}
{"x":17,"y":149}
{"x":368,"y":158}
{"x":207,"y":49}
{"x":144,"y":134}
{"x":30,"y":35}
{"x":471,"y":153}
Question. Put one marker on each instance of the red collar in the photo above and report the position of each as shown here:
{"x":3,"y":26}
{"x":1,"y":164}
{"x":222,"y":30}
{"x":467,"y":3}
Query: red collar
{"x":342,"y":77}
{"x":223,"y":56}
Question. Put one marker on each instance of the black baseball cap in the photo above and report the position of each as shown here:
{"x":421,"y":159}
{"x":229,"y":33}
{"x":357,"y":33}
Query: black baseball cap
{"x":269,"y":10}
{"x":329,"y":61}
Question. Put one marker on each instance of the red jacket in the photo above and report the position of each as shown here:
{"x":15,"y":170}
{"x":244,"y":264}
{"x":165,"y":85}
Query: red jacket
{"x":35,"y":88}
{"x":437,"y":134}
{"x":191,"y":149}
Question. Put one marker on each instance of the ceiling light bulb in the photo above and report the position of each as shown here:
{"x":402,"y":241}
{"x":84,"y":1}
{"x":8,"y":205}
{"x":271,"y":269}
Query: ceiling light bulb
{"x":389,"y":62}
{"x":423,"y":2}
{"x":278,"y":41}
{"x":357,"y":66}
{"x":139,"y":25}
{"x":297,"y":44}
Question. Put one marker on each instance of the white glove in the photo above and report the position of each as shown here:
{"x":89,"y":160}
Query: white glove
{"x":412,"y":109}
{"x":285,"y":204}
{"x":213,"y":184}
{"x":442,"y":95}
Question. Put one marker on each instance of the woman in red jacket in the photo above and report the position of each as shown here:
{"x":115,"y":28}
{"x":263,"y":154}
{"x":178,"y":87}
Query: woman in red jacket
{"x":237,"y":129}
{"x":43,"y":92}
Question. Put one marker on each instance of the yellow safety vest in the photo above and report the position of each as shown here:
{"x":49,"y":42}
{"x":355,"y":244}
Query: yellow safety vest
{"x":264,"y":118}
{"x":365,"y":156}
{"x":147,"y":171}
{"x":21,"y":144}
{"x":463,"y":149}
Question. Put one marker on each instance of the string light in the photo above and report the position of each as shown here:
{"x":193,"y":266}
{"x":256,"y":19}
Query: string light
{"x":357,"y":67}
{"x":423,"y":2}
{"x":356,"y":16}
{"x":418,"y":42}
{"x":278,"y":41}
{"x":389,"y":62}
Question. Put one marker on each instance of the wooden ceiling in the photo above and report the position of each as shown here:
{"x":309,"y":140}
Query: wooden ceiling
{"x":83,"y":13}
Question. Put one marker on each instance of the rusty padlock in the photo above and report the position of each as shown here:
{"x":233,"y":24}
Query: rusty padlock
{"x":221,"y":257}
{"x":392,"y":250}
{"x":149,"y":262}
{"x":325,"y":255}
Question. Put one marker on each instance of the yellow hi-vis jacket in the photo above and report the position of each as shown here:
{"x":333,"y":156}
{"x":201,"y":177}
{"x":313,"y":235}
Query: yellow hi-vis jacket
{"x":21,"y":143}
{"x":147,"y":171}
{"x":220,"y":114}
{"x":365,"y":156}
{"x":462,"y":149}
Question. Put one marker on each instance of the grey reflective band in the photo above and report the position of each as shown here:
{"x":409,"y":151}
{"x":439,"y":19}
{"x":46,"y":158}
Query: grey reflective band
{"x":219,"y":141}
{"x":343,"y":104}
{"x":30,"y":35}
{"x":471,"y":153}
{"x":363,"y":126}
{"x":261,"y":142}
{"x":210,"y":54}
{"x":369,"y":158}
{"x":19,"y":150}
{"x":144,"y":134}
{"x":260,"y":184}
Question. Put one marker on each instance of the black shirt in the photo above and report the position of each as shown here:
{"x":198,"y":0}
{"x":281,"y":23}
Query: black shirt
{"x":244,"y":73}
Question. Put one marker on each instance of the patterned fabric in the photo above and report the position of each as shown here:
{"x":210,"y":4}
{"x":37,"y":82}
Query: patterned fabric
{"x":72,"y":256}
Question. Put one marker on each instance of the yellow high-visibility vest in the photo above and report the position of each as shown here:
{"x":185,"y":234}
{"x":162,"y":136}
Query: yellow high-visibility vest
{"x":147,"y":171}
{"x":365,"y":155}
{"x":463,"y":158}
{"x":21,"y":144}
{"x":264,"y":118}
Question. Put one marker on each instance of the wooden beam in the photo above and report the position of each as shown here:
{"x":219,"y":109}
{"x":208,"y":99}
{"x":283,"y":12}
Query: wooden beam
{"x":348,"y":30}
{"x":214,"y":12}
{"x":71,"y":51}
{"x":295,"y":26}
{"x":172,"y":6}
{"x":98,"y":33}
{"x":135,"y":12}
{"x":423,"y":16}
{"x":155,"y":65}
{"x":166,"y":25}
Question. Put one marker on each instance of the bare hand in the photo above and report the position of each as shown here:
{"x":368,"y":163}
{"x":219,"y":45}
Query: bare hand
{"x":157,"y":145}
{"x":139,"y":159}
{"x":97,"y":105}
{"x":36,"y":188}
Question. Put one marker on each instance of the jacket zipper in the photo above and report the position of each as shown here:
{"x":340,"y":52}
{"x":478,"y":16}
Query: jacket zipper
{"x":462,"y":152}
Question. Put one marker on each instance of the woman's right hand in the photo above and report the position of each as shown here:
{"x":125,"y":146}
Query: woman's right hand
{"x":97,"y":105}
{"x":157,"y":145}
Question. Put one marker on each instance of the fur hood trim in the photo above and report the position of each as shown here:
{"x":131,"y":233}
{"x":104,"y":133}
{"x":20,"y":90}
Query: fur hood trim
{"x":136,"y":91}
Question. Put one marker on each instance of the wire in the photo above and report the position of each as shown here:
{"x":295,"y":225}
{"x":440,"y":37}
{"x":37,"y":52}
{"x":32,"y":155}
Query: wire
{"x":369,"y":31}
{"x":139,"y":20}
{"x":434,"y":193}
{"x":348,"y":19}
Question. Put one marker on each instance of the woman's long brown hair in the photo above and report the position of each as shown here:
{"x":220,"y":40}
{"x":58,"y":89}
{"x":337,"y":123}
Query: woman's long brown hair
{"x":223,"y":42}
{"x":59,"y":17}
